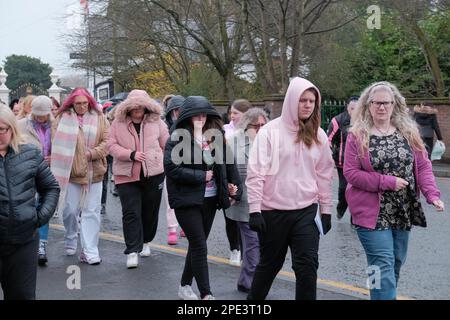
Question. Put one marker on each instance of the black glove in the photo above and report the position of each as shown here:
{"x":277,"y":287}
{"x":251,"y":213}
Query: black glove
{"x":326,"y":222}
{"x":257,"y":222}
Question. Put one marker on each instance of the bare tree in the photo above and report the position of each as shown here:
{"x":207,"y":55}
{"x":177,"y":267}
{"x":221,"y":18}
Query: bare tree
{"x":210,"y":29}
{"x":275,"y":32}
{"x":410,"y":16}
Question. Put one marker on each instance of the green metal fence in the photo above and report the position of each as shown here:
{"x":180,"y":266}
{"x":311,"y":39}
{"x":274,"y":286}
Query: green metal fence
{"x":330,"y":109}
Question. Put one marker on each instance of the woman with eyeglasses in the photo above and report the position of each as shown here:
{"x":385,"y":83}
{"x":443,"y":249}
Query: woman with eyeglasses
{"x":79,"y":162}
{"x":201,"y":178}
{"x":23,"y":173}
{"x":386,"y":166}
{"x":240,"y":143}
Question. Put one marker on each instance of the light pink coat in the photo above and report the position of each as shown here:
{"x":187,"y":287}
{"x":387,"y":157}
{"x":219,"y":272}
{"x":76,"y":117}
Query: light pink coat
{"x":123,"y":139}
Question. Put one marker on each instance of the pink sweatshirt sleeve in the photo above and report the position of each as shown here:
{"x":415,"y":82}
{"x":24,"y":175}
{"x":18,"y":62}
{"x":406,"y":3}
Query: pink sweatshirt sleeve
{"x":114,"y":148}
{"x":425,"y":177}
{"x":324,"y":171}
{"x":357,"y":176}
{"x":163,"y":134}
{"x":258,"y":159}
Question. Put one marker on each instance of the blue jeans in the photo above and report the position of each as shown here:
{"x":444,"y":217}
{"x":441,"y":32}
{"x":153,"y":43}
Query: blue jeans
{"x":43,"y":232}
{"x":386,"y":251}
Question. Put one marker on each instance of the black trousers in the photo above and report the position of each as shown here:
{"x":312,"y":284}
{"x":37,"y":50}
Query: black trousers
{"x":342,"y":202}
{"x":233,"y":233}
{"x":196,"y":223}
{"x":297,"y":230}
{"x":140,"y":209}
{"x":428,"y":145}
{"x":18,"y":269}
{"x":109,"y":160}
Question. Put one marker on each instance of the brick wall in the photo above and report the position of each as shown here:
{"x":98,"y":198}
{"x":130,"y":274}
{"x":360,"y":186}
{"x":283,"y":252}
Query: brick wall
{"x":275,"y":103}
{"x":443,"y":116}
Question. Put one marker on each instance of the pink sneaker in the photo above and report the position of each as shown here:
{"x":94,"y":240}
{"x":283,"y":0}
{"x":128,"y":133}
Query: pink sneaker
{"x":172,"y":238}
{"x":182,"y":235}
{"x":91,"y":261}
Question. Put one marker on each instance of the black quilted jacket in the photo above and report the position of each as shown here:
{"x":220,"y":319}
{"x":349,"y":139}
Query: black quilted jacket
{"x":23,"y":174}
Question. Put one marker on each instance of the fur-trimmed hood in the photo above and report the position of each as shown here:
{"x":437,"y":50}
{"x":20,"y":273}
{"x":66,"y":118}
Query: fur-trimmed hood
{"x":135,"y":99}
{"x":425,"y":109}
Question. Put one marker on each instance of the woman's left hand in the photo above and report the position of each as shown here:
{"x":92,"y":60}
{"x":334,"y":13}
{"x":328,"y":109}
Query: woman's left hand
{"x":439,"y":205}
{"x":232,"y":189}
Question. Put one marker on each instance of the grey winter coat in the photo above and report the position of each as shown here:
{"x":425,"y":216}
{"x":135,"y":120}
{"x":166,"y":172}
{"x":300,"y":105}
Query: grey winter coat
{"x":240,"y":144}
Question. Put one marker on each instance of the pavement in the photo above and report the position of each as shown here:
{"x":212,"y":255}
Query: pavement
{"x":156,"y":278}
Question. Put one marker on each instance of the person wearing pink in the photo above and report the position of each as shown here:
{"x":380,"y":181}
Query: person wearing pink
{"x":386,"y":167}
{"x":136,"y":141}
{"x":172,"y":104}
{"x":78,"y":162}
{"x":289,"y":179}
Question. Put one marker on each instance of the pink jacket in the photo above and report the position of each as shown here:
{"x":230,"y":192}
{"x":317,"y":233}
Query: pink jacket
{"x":123,"y":139}
{"x":365,"y":185}
{"x":282,"y":174}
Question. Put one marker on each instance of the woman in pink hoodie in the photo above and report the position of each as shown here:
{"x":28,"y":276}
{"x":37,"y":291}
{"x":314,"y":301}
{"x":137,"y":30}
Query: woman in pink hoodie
{"x":386,"y":166}
{"x":289,"y":177}
{"x":136,"y":141}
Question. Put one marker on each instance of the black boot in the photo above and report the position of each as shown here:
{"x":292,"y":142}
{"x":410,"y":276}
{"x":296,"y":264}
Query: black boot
{"x":42,"y":253}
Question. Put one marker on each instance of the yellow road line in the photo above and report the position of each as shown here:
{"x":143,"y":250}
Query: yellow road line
{"x":330,"y":283}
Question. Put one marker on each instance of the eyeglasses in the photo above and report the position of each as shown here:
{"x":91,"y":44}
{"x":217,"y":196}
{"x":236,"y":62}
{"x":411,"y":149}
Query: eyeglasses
{"x":4,"y":130}
{"x":81,"y":104}
{"x":255,"y":126}
{"x":378,"y":104}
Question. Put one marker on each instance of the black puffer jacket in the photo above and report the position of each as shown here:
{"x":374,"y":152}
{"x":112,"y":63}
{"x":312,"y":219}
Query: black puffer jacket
{"x":186,"y":180}
{"x":337,"y":135}
{"x":21,"y":176}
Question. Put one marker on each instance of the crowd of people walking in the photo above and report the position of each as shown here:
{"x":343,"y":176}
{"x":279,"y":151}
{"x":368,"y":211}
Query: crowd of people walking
{"x":272,"y":179}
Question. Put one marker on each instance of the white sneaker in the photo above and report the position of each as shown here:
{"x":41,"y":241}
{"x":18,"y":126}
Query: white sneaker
{"x":145,"y":250}
{"x":132,"y":260}
{"x":186,"y":293}
{"x":235,"y":258}
{"x":70,"y":251}
{"x":209,"y":297}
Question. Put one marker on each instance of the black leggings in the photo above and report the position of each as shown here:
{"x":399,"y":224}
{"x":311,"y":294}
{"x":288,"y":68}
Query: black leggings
{"x":297,"y":230}
{"x":196,"y":223}
{"x":18,"y":269}
{"x":428,"y":145}
{"x":233,"y":233}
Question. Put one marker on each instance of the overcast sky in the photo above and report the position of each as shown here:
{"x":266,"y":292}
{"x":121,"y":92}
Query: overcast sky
{"x":35,"y":27}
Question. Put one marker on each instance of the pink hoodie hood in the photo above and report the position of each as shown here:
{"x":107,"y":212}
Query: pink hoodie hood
{"x":289,"y":113}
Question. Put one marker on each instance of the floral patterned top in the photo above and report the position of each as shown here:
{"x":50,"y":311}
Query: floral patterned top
{"x":392,"y":155}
